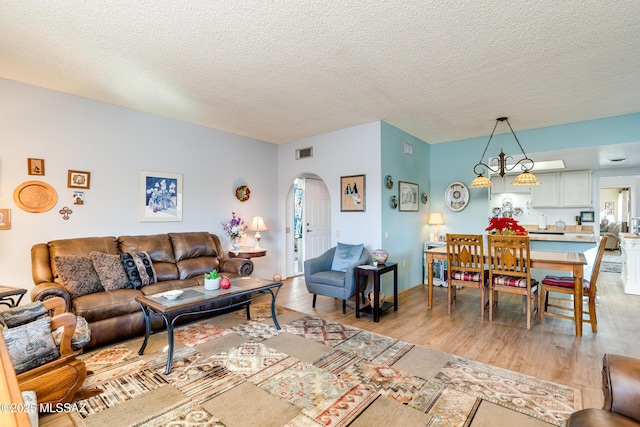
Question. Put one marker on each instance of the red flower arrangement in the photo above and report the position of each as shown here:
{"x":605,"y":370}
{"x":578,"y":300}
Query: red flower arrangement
{"x":505,"y":226}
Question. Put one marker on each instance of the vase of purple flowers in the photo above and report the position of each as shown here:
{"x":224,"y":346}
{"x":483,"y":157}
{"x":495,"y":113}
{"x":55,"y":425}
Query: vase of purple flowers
{"x":235,"y":229}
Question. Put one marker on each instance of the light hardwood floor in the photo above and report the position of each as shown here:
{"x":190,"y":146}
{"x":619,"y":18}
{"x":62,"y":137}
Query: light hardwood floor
{"x":550,"y":350}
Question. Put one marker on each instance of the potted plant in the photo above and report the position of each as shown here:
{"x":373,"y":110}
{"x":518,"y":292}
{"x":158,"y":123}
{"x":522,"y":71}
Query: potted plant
{"x":212,"y":280}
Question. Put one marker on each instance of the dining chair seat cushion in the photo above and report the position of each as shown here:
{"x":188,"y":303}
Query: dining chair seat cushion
{"x":516,"y":282}
{"x":466,"y":276}
{"x":564,"y":281}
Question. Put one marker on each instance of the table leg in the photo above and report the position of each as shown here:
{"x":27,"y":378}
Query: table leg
{"x":273,"y":308}
{"x":147,"y":328}
{"x":170,"y":350}
{"x":430,"y":279}
{"x":376,"y":297}
{"x":395,"y":289}
{"x":358,"y":294}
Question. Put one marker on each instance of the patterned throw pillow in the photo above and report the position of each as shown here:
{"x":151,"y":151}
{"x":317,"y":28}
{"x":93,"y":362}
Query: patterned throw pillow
{"x":77,"y":275}
{"x":110,"y":271}
{"x":346,"y":255}
{"x":31,"y":345}
{"x":139,"y":268}
{"x":23,"y":314}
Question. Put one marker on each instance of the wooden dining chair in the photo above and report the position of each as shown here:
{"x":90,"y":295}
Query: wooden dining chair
{"x":465,"y":264}
{"x":510,"y":272}
{"x":565,"y":285}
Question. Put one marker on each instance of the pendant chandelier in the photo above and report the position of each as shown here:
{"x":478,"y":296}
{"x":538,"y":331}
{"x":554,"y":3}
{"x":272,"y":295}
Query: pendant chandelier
{"x":501,"y":168}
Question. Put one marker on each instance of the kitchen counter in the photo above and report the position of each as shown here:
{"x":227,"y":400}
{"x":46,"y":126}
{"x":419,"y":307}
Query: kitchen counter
{"x":566,"y":237}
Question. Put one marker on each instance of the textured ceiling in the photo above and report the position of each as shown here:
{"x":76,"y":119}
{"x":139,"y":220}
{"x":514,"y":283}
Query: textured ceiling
{"x":280,"y":70}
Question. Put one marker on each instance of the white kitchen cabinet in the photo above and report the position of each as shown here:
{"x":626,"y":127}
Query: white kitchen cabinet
{"x":576,"y":189}
{"x":563,"y":190}
{"x":547,"y":194}
{"x":503,"y":185}
{"x":630,"y":246}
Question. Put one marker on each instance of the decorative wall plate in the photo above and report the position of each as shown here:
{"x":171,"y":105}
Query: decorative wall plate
{"x":389,"y":181}
{"x":393,"y":202}
{"x":456,"y":196}
{"x":35,"y":196}
{"x":424,"y":198}
{"x":243,"y":193}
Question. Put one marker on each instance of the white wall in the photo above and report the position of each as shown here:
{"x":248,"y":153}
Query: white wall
{"x":351,"y":151}
{"x":114,"y":143}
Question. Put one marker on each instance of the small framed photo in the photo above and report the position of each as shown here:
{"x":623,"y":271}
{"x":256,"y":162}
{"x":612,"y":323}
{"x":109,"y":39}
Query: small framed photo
{"x":587,"y":216}
{"x":78,"y":179}
{"x":5,"y":219}
{"x":608,"y":208}
{"x":35,"y":166}
{"x":160,"y":196}
{"x":408,"y":196}
{"x":352,"y":193}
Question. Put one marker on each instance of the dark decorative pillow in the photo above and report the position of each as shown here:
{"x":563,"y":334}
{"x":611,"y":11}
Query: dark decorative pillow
{"x":77,"y":275}
{"x":21,"y":315}
{"x":110,"y":271}
{"x":346,"y":255}
{"x":31,"y":345}
{"x":139,"y":269}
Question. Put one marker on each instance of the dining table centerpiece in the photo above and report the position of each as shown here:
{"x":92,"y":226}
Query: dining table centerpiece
{"x":505,"y":226}
{"x":235,"y":229}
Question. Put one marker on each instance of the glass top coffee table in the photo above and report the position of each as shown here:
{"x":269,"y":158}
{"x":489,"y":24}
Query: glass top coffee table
{"x":198,"y":300}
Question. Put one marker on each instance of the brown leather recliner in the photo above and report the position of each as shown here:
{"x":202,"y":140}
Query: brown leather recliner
{"x":621,"y":387}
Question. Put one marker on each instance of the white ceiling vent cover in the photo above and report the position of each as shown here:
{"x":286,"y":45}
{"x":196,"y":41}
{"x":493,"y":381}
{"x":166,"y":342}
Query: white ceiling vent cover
{"x":303,"y":153}
{"x":408,"y":149}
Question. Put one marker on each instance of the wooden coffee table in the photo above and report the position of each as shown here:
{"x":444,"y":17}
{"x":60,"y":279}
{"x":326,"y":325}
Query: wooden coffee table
{"x":11,"y":296}
{"x":198,"y":300}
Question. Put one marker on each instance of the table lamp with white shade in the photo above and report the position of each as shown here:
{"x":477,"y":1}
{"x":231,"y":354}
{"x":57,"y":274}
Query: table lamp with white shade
{"x":257,"y":224}
{"x":436,"y":219}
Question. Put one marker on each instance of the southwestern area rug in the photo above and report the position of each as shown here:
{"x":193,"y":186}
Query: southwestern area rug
{"x":229,"y":371}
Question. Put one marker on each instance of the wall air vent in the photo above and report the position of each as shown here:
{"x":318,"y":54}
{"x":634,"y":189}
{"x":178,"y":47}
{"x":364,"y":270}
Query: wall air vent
{"x":408,"y":149}
{"x":620,"y":160}
{"x":303,"y":153}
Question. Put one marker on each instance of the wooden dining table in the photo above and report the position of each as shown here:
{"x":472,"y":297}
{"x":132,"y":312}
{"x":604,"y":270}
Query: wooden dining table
{"x":572,"y":262}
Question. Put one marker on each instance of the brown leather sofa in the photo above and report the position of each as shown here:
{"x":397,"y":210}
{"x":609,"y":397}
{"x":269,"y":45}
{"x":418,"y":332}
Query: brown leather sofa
{"x":179,"y":260}
{"x":621,"y":386}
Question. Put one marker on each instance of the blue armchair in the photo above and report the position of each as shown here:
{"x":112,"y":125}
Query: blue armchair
{"x":322,"y":280}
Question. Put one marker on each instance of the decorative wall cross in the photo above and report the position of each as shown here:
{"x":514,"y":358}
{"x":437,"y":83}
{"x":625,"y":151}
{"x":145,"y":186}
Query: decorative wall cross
{"x":65,"y":212}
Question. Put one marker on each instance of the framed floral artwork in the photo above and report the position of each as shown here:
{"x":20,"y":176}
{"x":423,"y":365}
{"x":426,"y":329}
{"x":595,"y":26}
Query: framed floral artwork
{"x":160,"y":196}
{"x":352,"y":193}
{"x":78,"y":179}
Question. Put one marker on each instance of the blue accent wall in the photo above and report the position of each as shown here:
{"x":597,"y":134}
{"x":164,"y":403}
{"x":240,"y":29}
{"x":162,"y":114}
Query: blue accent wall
{"x":406,"y":231}
{"x":454,"y":160}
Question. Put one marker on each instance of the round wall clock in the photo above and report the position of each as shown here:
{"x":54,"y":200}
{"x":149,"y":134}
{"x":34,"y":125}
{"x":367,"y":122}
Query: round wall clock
{"x":456,"y":196}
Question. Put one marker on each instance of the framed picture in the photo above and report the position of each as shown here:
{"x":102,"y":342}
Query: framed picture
{"x":587,"y":216}
{"x":78,"y":179}
{"x":608,"y":208}
{"x":35,"y":166}
{"x":5,"y":219}
{"x":160,"y":196}
{"x":352,"y":190}
{"x":408,"y":197}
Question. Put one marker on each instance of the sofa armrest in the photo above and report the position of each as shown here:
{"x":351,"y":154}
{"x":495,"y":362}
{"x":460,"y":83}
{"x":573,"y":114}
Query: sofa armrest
{"x":621,"y":385}
{"x":48,"y":290}
{"x":242,"y":267}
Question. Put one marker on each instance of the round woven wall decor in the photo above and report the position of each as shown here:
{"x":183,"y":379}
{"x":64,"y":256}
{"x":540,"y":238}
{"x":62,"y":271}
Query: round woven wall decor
{"x":35,"y":196}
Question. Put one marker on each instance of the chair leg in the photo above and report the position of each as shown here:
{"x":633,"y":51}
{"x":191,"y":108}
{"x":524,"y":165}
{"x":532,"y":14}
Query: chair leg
{"x":314,"y":301}
{"x":482,"y":302}
{"x":491,"y":295}
{"x":592,"y":314}
{"x":344,"y":306}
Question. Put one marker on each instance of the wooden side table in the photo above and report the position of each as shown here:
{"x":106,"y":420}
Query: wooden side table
{"x":376,"y":272}
{"x":247,"y":252}
{"x":11,"y":296}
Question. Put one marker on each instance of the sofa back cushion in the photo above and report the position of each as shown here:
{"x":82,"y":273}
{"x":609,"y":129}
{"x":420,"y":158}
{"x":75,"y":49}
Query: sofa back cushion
{"x":196,"y":253}
{"x":160,"y":250}
{"x":81,"y":246}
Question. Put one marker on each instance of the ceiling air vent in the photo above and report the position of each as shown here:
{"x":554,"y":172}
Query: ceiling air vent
{"x":620,"y":160}
{"x":303,"y":153}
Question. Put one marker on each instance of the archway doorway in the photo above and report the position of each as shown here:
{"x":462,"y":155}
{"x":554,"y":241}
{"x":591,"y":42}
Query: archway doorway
{"x":308,"y":229}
